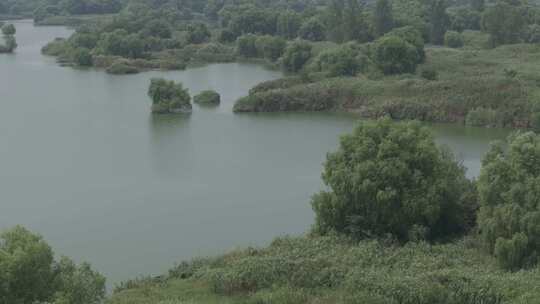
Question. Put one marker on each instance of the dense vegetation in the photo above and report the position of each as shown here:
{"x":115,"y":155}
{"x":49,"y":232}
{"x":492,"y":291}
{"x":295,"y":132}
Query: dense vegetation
{"x":29,"y":273}
{"x":398,"y":227}
{"x":8,"y":33}
{"x":208,"y":97}
{"x":169,"y":97}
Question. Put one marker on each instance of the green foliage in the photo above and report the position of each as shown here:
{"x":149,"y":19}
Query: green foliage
{"x":412,"y":36}
{"x":157,"y":28}
{"x":208,"y":97}
{"x":245,"y":45}
{"x":453,"y":39}
{"x":330,"y":269}
{"x":391,"y":178}
{"x":25,"y":267}
{"x":394,"y":55}
{"x":463,"y":18}
{"x":82,"y":57}
{"x":296,"y":55}
{"x":509,"y":192}
{"x":312,"y":29}
{"x":288,"y":24}
{"x":197,"y":33}
{"x":10,"y":44}
{"x":270,"y":47}
{"x":168,"y":96}
{"x":504,"y":23}
{"x":429,"y":74}
{"x":29,"y":273}
{"x":439,"y":21}
{"x":78,"y":284}
{"x":8,"y":30}
{"x":383,"y":18}
{"x":344,"y":60}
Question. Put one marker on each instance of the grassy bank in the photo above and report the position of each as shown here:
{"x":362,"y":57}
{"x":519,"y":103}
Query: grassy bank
{"x":336,"y":270}
{"x":488,"y":87}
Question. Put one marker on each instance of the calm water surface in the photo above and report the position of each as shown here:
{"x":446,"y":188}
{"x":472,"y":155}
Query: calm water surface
{"x":83,"y":162}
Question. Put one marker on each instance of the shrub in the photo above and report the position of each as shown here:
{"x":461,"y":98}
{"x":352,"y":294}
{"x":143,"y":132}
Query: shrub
{"x":340,"y":61}
{"x":509,"y":192}
{"x":168,"y":96}
{"x":394,"y":55}
{"x":208,"y":97}
{"x":482,"y":117}
{"x":82,"y":57}
{"x":296,"y":55}
{"x":245,"y":45}
{"x":412,"y":36}
{"x":391,"y":178}
{"x":312,"y":29}
{"x":8,"y":30}
{"x":453,"y":39}
{"x":270,"y":47}
{"x":429,"y":73}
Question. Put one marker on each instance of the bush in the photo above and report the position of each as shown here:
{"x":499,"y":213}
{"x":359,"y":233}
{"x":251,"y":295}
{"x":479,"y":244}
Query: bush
{"x":168,"y":96}
{"x":394,"y":55}
{"x":340,"y":61}
{"x":509,"y":188}
{"x":296,"y":55}
{"x":412,"y":36}
{"x":208,"y":97}
{"x":429,"y":74}
{"x":246,"y":45}
{"x":270,"y":47}
{"x":391,"y":178}
{"x":82,"y":57}
{"x":453,"y":39}
{"x":8,"y":30}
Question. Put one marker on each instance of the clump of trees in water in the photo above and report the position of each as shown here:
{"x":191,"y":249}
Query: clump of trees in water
{"x":207,"y":97}
{"x":169,"y":97}
{"x":10,"y":44}
{"x":29,"y":273}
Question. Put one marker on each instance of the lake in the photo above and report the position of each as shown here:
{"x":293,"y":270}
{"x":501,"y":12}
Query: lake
{"x":84,"y":162}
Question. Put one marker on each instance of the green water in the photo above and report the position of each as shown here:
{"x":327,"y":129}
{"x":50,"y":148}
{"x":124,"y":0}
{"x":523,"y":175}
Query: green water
{"x":83,"y":162}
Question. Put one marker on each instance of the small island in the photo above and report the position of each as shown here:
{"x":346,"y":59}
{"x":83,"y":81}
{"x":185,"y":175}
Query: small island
{"x":10,"y":44}
{"x":207,"y":98}
{"x":169,"y":97}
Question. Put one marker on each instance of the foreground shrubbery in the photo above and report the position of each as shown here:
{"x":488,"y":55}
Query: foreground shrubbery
{"x":29,"y":273}
{"x":334,"y":269}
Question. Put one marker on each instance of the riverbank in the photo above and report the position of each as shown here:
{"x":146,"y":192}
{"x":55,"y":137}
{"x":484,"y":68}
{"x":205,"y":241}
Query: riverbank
{"x":473,"y":86}
{"x":337,"y":270}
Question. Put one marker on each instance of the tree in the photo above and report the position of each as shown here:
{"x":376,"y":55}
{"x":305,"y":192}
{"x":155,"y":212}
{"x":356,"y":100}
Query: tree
{"x":25,"y":267}
{"x":157,"y":28}
{"x":288,"y":24}
{"x":312,"y":29}
{"x":412,"y":36}
{"x":197,"y":33}
{"x":82,"y":57}
{"x":391,"y":178}
{"x":340,"y":61}
{"x":29,"y":274}
{"x":453,"y":39}
{"x":394,"y":55}
{"x":509,"y":197}
{"x":8,"y":30}
{"x":168,"y":96}
{"x":439,"y":21}
{"x":77,"y":284}
{"x":245,"y":45}
{"x":383,"y":18}
{"x":504,"y":23}
{"x":478,"y":5}
{"x":270,"y":47}
{"x":296,"y":55}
